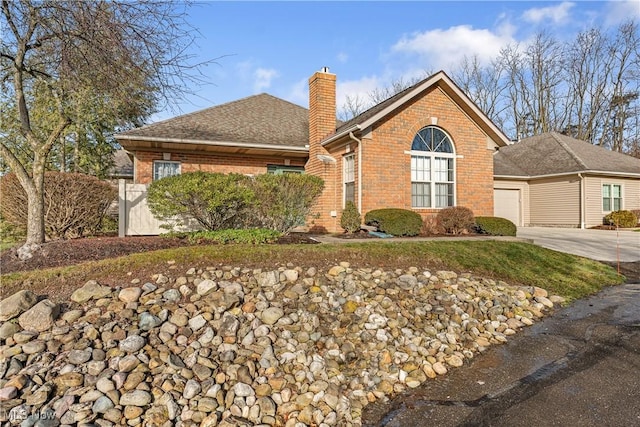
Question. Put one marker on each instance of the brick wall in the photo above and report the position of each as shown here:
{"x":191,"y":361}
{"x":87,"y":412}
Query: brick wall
{"x":206,"y":162}
{"x":322,"y":123}
{"x":386,"y":173}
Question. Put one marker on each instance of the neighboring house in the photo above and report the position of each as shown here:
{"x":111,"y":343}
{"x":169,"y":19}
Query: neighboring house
{"x":426,"y":148}
{"x":555,"y":180}
{"x":122,"y":167}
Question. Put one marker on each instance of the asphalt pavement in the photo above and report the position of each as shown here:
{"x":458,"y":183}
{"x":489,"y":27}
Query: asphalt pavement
{"x":578,"y":367}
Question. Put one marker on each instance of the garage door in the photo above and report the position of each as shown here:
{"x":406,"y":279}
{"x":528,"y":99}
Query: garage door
{"x":506,"y":204}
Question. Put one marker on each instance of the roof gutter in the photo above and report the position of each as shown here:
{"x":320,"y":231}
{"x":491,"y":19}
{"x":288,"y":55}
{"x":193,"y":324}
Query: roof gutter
{"x":582,"y":201}
{"x":213,"y":143}
{"x":359,"y":141}
{"x":340,"y":135}
{"x":586,"y":172}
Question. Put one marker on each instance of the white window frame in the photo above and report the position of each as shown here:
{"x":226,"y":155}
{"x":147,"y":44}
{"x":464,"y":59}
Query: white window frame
{"x":348,"y":176}
{"x":429,"y":176}
{"x":611,"y":198}
{"x":156,"y":163}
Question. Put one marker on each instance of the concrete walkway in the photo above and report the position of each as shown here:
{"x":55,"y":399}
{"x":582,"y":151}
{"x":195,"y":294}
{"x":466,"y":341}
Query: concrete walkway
{"x":601,"y":245}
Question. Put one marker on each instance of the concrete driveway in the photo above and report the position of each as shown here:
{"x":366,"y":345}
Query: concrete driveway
{"x":601,"y":245}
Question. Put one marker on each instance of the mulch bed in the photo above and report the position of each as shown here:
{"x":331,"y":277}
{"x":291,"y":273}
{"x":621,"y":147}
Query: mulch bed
{"x":62,"y":253}
{"x":69,"y":252}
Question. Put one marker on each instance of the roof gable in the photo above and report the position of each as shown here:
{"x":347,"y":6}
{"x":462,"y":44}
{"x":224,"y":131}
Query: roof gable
{"x":441,"y":80}
{"x":553,"y":153}
{"x":258,"y":119}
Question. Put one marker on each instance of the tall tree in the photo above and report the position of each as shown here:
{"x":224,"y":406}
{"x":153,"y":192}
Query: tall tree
{"x":62,"y":62}
{"x":484,"y":84}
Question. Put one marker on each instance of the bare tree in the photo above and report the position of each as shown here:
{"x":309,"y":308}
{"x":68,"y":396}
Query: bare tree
{"x":624,"y":54}
{"x":355,"y":104}
{"x":121,"y":58}
{"x":484,"y":85}
{"x":588,"y":67}
{"x":535,"y":81}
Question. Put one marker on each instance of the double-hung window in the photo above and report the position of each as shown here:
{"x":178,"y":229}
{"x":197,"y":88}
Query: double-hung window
{"x":349,"y":177}
{"x":432,"y":169}
{"x":163,"y":169}
{"x":611,"y":197}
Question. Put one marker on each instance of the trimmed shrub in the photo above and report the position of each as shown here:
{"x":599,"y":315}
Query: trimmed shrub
{"x":636,"y":212}
{"x":397,"y":222}
{"x":10,"y":233}
{"x":251,"y":236}
{"x":456,"y":219}
{"x":74,"y":204}
{"x":214,"y":200}
{"x":350,"y":219}
{"x":495,"y":226}
{"x":431,"y":226}
{"x":622,"y":219}
{"x":283,"y":202}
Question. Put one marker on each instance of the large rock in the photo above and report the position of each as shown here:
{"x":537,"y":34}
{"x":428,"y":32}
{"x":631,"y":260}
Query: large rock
{"x":40,"y":317}
{"x":17,"y":304}
{"x":90,"y":290}
{"x":25,"y":252}
{"x":135,"y":398}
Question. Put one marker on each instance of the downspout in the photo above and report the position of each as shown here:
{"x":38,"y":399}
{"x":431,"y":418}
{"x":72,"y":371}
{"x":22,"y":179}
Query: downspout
{"x":359,"y":170}
{"x":582,"y":201}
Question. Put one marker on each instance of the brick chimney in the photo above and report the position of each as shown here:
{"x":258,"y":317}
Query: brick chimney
{"x":322,"y":123}
{"x":322,"y":107}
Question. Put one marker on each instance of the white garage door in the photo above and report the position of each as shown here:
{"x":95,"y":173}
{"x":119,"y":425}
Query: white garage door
{"x":506,"y":204}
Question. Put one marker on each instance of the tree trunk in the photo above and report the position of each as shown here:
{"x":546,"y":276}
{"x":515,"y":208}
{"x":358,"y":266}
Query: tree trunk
{"x":35,"y":217}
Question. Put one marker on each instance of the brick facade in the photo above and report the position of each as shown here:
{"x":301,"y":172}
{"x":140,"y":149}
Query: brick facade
{"x":386,"y":163}
{"x":382,"y":151}
{"x":207,"y":162}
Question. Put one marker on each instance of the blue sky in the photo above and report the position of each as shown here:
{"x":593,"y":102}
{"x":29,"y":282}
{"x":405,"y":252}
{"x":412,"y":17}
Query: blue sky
{"x":274,"y":47}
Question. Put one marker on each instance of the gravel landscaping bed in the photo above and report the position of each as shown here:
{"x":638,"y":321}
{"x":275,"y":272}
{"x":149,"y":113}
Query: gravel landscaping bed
{"x":230,"y":346}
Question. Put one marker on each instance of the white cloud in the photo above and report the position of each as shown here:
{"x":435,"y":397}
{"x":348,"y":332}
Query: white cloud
{"x":360,"y":89}
{"x":342,"y":57}
{"x":556,"y":14}
{"x":263,"y":77}
{"x":621,"y":11}
{"x":441,"y":49}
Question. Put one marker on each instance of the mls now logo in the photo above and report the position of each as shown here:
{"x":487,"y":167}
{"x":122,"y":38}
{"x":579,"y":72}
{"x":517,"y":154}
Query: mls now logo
{"x":20,"y":413}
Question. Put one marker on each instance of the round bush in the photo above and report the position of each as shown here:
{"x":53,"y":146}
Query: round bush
{"x":623,"y":219}
{"x":74,"y":204}
{"x":456,"y":219}
{"x":397,"y":222}
{"x":495,"y":226}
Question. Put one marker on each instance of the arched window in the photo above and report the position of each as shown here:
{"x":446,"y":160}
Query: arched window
{"x":432,"y":169}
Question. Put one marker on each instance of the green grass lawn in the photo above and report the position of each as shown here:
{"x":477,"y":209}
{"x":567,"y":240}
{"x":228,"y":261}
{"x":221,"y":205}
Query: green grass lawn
{"x":513,"y":262}
{"x":4,"y":245}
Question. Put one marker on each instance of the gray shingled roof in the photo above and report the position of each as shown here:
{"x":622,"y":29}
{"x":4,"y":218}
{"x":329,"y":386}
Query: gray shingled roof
{"x":260,"y":119}
{"x":553,"y":153}
{"x":376,"y":108}
{"x":122,"y":165}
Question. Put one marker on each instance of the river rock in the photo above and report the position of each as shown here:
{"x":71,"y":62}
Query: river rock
{"x":17,"y":304}
{"x":40,"y":317}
